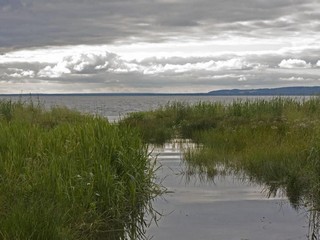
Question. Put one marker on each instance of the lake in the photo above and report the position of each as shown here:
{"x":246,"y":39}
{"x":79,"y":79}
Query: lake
{"x":114,"y":107}
{"x":227,"y":209}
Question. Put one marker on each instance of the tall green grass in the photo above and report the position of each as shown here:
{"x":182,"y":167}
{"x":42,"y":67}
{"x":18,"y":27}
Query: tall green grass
{"x":174,"y":120}
{"x":64,"y":175}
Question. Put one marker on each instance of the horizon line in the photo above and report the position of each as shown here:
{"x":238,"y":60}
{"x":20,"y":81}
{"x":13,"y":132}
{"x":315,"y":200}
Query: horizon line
{"x":213,"y":92}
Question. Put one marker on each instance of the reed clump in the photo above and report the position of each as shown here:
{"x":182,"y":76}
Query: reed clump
{"x":64,"y":175}
{"x":174,"y":120}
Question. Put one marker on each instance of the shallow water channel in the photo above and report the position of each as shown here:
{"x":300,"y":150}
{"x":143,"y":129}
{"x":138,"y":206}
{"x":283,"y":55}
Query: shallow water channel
{"x":227,"y":208}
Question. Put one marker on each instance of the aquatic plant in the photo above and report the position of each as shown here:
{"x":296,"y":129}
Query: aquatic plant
{"x":64,"y":175}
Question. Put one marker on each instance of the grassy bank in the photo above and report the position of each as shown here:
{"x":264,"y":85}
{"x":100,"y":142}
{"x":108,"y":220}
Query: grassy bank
{"x":68,"y":176}
{"x":276,"y":142}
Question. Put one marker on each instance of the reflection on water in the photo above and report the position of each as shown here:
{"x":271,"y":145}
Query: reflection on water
{"x":227,"y":207}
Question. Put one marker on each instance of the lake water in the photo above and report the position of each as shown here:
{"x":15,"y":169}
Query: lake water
{"x":114,"y":107}
{"x":226,"y":209}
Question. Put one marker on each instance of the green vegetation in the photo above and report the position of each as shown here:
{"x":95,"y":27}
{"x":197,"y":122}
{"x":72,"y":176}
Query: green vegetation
{"x":275,"y":143}
{"x":65,"y":176}
{"x":174,"y":120}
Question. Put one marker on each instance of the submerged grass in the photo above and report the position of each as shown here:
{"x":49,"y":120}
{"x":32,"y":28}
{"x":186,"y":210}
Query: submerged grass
{"x":64,"y":175}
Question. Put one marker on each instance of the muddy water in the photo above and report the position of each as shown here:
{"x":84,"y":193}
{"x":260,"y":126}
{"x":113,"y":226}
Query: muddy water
{"x":226,"y":209}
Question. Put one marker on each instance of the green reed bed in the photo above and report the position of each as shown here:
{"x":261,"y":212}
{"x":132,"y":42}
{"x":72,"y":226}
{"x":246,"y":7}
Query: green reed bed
{"x":64,"y":175}
{"x":174,"y":120}
{"x":273,"y":142}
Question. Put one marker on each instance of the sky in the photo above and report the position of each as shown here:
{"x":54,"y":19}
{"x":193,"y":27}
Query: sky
{"x":159,"y":46}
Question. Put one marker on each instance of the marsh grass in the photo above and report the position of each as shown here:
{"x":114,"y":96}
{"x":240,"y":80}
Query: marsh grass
{"x":272,"y":142}
{"x":64,"y":175}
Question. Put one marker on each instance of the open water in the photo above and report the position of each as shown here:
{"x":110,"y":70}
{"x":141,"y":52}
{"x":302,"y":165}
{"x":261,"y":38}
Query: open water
{"x":115,"y":107}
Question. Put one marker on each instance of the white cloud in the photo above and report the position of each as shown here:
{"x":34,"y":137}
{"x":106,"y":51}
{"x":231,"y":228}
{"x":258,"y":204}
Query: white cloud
{"x":230,"y":64}
{"x":318,"y":63}
{"x":223,"y":76}
{"x":234,"y":63}
{"x":19,"y":73}
{"x":292,"y":79}
{"x":242,"y":79}
{"x":53,"y":72}
{"x":92,"y":61}
{"x":85,"y":63}
{"x":239,"y":78}
{"x":294,"y":63}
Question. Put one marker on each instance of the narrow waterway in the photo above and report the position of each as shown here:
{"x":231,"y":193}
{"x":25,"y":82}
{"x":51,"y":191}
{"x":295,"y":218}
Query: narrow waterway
{"x":226,"y":209}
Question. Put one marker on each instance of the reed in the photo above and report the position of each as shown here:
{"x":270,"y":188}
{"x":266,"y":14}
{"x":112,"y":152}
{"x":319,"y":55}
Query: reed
{"x":274,"y":142}
{"x":64,"y":175}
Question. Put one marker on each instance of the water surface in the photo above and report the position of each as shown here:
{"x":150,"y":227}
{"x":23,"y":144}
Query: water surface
{"x":226,"y":209}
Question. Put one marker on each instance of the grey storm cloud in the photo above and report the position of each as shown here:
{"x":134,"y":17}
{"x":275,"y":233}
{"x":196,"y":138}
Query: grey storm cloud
{"x":6,"y":5}
{"x":29,"y":23}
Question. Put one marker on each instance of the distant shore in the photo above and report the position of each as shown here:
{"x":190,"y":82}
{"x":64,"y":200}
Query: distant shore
{"x":281,"y":91}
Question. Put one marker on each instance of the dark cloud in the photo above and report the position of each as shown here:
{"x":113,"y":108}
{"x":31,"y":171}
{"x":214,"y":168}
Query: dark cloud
{"x":44,"y":22}
{"x":6,"y":5}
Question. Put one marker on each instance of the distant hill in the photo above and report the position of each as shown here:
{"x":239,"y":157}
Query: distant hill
{"x":283,"y":91}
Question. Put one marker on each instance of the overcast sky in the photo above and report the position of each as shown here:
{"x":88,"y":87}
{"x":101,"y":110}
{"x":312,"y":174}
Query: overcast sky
{"x":54,"y":46}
